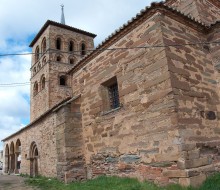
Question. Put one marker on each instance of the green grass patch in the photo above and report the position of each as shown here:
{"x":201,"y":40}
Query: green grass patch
{"x":115,"y":183}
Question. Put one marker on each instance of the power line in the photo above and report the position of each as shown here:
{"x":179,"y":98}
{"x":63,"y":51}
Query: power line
{"x":113,"y":49}
{"x":104,"y":49}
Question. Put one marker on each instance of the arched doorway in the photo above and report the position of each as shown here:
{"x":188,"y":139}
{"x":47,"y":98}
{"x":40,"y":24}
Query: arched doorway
{"x":33,"y":160}
{"x":12,"y":158}
{"x":17,"y":156}
{"x":6,"y":166}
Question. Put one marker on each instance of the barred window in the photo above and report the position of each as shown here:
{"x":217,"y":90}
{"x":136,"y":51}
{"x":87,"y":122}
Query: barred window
{"x":113,"y":96}
{"x":110,"y":94}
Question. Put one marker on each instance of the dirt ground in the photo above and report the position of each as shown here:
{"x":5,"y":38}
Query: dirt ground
{"x":12,"y":182}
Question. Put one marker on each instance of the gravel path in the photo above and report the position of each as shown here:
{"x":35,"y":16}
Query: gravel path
{"x":12,"y":182}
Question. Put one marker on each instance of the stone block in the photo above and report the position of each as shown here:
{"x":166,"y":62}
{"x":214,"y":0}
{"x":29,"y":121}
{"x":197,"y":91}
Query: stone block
{"x":175,"y":173}
{"x":187,"y":147}
{"x":193,"y":163}
{"x":195,"y":181}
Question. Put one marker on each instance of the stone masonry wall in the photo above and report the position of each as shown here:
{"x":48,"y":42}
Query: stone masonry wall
{"x":43,"y":134}
{"x":52,"y":69}
{"x":196,"y":93}
{"x":201,"y":10}
{"x":140,"y":138}
{"x":70,"y":145}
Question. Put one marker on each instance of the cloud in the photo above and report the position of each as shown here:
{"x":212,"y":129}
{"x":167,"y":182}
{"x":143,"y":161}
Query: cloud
{"x":14,"y":106}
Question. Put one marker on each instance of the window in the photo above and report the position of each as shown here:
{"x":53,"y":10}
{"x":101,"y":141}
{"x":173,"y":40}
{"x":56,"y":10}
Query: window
{"x":44,"y":47}
{"x":113,"y":96}
{"x":58,"y":43}
{"x":71,"y":60}
{"x":110,"y":94}
{"x":35,"y":88}
{"x":83,"y":49}
{"x":59,"y":58}
{"x":62,"y":80}
{"x":38,"y":66}
{"x":37,"y":54}
{"x":42,"y":82}
{"x":71,"y":46}
{"x":35,"y":70}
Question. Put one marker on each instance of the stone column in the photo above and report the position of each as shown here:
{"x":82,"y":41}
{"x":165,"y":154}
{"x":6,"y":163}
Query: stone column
{"x":10,"y":163}
{"x":16,"y":162}
{"x":6,"y":165}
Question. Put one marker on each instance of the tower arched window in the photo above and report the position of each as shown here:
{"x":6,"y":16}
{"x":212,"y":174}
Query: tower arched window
{"x":37,"y":54}
{"x":58,"y":44}
{"x":43,"y":82}
{"x":71,"y":46}
{"x":35,"y":88}
{"x":44,"y":45}
{"x":83,"y":49}
{"x":62,"y":80}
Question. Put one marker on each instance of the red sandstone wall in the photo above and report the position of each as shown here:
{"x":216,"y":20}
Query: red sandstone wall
{"x":142,"y":131}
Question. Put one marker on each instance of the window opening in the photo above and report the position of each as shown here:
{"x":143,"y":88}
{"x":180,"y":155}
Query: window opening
{"x":58,"y":43}
{"x":63,"y":81}
{"x":83,"y":49}
{"x":71,"y":45}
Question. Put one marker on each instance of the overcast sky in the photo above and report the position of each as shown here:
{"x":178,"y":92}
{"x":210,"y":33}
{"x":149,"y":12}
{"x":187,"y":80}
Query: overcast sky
{"x":19,"y":23}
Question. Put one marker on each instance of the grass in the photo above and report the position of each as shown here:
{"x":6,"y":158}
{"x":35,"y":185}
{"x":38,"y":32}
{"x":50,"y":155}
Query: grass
{"x":116,"y":183}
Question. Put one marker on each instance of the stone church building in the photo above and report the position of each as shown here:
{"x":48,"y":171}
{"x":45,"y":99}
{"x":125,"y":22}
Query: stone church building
{"x":144,"y":103}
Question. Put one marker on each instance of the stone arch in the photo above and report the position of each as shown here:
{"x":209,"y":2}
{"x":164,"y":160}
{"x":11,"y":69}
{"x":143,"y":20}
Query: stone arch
{"x":35,"y":88}
{"x":83,"y":48}
{"x":58,"y":43}
{"x":59,"y":57}
{"x":37,"y":53}
{"x":17,"y":156}
{"x":34,"y":155}
{"x":44,"y":45}
{"x":71,"y":46}
{"x":12,"y":157}
{"x":42,"y":82}
{"x":44,"y":61}
{"x":72,"y":60}
{"x":6,"y":166}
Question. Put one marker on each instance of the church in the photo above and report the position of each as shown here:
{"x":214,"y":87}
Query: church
{"x":144,"y":103}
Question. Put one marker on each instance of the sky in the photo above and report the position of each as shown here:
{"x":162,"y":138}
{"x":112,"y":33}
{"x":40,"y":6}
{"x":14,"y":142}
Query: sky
{"x":21,"y":20}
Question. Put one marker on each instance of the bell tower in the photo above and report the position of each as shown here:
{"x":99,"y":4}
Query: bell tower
{"x":56,"y":48}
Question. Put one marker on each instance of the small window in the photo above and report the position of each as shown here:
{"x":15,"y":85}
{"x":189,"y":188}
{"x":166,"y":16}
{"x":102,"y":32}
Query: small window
{"x":38,"y":66}
{"x":43,"y":82}
{"x":58,"y":43}
{"x":35,"y":88}
{"x":71,"y":46}
{"x":59,"y":58}
{"x":37,"y":54}
{"x":83,"y":49}
{"x":71,"y":60}
{"x":110,"y":94}
{"x":44,"y":45}
{"x":62,"y":80}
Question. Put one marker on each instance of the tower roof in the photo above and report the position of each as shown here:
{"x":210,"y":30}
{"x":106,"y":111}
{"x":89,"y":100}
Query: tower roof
{"x":62,"y":21}
{"x":49,"y":22}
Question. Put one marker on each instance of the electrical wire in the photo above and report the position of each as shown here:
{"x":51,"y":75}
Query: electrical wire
{"x":114,"y":49}
{"x":103,"y":49}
